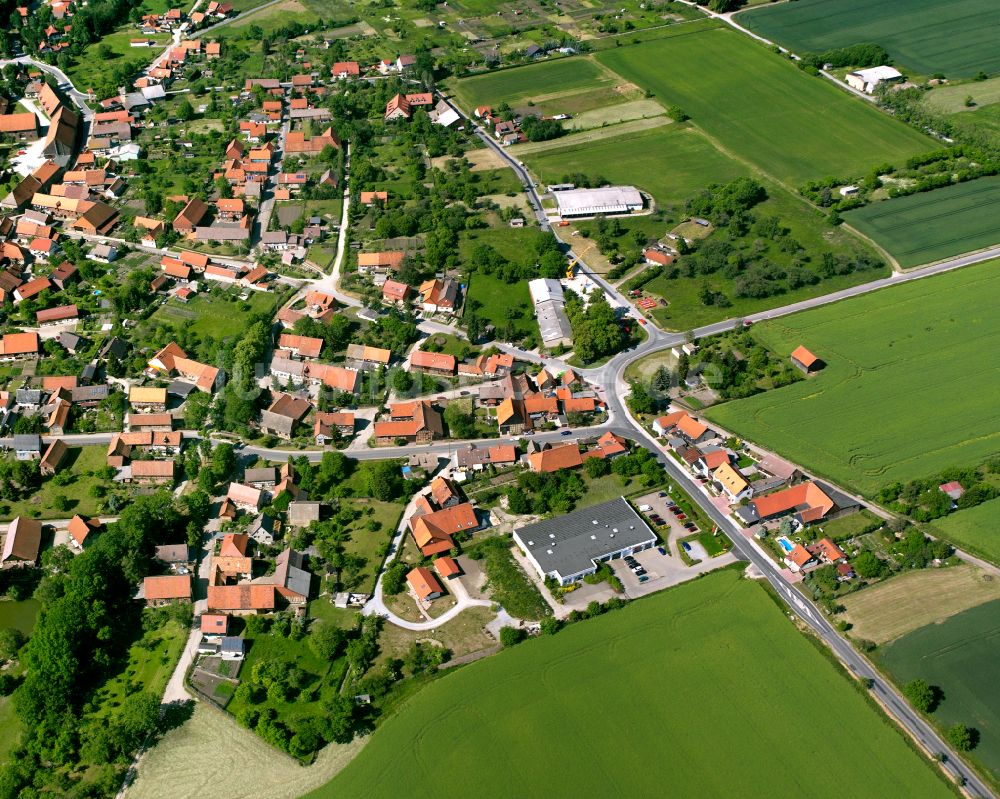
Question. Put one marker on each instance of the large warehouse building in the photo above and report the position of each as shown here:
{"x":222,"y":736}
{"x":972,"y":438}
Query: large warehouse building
{"x":569,"y":548}
{"x":547,"y":296}
{"x":606,"y":200}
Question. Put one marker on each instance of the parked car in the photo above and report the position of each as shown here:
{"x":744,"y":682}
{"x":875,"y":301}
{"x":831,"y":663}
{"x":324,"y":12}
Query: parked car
{"x":681,"y":517}
{"x":643,"y":578}
{"x":566,"y":433}
{"x":661,"y":550}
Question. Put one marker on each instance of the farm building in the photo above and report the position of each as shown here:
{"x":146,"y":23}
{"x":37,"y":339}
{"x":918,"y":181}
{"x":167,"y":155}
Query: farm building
{"x":570,"y":547}
{"x":805,"y":361}
{"x":868,"y":80}
{"x":605,"y":200}
{"x":547,"y":296}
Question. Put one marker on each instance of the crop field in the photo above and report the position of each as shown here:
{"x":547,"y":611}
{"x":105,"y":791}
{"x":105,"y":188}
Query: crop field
{"x":672,"y":162}
{"x":896,"y":359}
{"x":958,"y":656}
{"x":893,"y":608}
{"x":975,"y":529}
{"x":763,"y":110}
{"x":576,"y":693}
{"x":934,"y":225}
{"x":211,"y":754}
{"x":957,"y":38}
{"x":536,"y":82}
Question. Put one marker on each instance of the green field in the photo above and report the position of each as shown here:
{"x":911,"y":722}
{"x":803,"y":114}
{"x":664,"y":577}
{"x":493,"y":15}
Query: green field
{"x":974,"y":529}
{"x":934,"y":225}
{"x":896,"y":360}
{"x":957,"y":38}
{"x":959,"y":656}
{"x":518,"y":85}
{"x":20,"y":615}
{"x":762,"y":109}
{"x":672,"y":162}
{"x":217,"y":314}
{"x":706,"y":689}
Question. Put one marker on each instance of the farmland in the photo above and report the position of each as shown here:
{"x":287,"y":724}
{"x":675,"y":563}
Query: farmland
{"x":671,"y":162}
{"x":958,"y":656}
{"x":731,"y":632}
{"x":211,"y":749}
{"x":956,"y":38}
{"x":802,"y":127}
{"x":976,"y":529}
{"x":537,"y":82}
{"x":905,"y":603}
{"x":934,"y":225}
{"x":863,"y":420}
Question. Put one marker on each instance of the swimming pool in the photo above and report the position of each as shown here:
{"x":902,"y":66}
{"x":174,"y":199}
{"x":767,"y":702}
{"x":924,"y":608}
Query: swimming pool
{"x":786,"y":545}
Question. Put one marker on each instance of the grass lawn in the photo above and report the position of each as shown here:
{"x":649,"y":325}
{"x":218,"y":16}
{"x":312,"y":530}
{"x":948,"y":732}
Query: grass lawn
{"x":934,"y":225}
{"x":847,"y":526}
{"x":685,"y":310}
{"x":672,"y":162}
{"x":956,"y":38}
{"x":893,"y":608}
{"x":215,"y":315}
{"x":976,"y":530}
{"x":863,"y":420}
{"x":462,"y":635}
{"x":149,"y":667}
{"x":586,"y":679}
{"x":498,"y":299}
{"x":365,"y":543}
{"x":950,"y":98}
{"x":81,"y":463}
{"x":10,"y":727}
{"x":533,"y":82}
{"x":764,"y":110}
{"x":959,"y":656}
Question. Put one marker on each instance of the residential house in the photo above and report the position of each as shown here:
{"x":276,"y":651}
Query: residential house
{"x":433,"y":362}
{"x":439,"y":296}
{"x":732,"y":484}
{"x":416,"y":422}
{"x":554,"y":459}
{"x":245,"y":497}
{"x":81,"y":530}
{"x":27,"y":446}
{"x":327,"y":426}
{"x":284,"y":413}
{"x":151,"y":472}
{"x":166,"y":590}
{"x":148,"y":398}
{"x":424,"y":584}
{"x":433,"y":532}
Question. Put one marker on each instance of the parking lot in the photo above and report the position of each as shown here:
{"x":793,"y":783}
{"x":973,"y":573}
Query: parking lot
{"x":663,"y":568}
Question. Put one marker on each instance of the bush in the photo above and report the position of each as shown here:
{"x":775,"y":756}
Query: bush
{"x":509,"y":636}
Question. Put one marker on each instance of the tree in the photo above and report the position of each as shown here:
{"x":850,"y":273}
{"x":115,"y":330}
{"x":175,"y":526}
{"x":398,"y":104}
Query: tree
{"x":460,"y":420}
{"x":326,"y":640}
{"x":510,"y":636}
{"x":223,"y":462}
{"x":11,"y":641}
{"x":383,"y":480}
{"x":185,"y":112}
{"x":869,"y":566}
{"x":517,"y":501}
{"x":596,"y":467}
{"x":920,"y":695}
{"x":394,"y":579}
{"x":961,"y":737}
{"x":550,"y":625}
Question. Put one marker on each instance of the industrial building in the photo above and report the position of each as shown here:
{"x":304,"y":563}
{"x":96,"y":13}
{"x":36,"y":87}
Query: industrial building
{"x":568,"y":548}
{"x":605,"y":200}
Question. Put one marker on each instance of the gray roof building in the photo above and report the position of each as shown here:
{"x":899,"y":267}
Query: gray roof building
{"x":301,"y":514}
{"x":28,"y":442}
{"x":291,"y":574}
{"x":570,"y":547}
{"x":180,"y":388}
{"x":260,"y":476}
